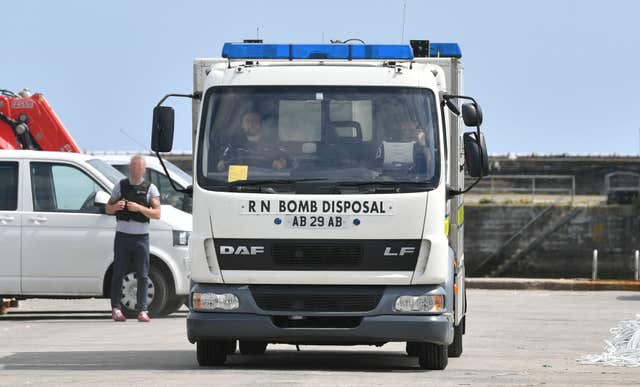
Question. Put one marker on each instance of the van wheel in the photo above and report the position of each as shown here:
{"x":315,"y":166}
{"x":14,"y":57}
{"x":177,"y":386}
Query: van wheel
{"x":455,"y":348}
{"x":174,"y":304}
{"x":433,"y":356}
{"x":253,"y":347}
{"x":211,"y":353}
{"x":157,"y":293}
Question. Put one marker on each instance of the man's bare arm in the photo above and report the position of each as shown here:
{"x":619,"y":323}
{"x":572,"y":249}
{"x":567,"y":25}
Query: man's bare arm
{"x":151,"y":213}
{"x":114,"y":206}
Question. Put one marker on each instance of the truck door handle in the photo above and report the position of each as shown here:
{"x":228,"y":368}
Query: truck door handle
{"x":38,"y":219}
{"x":6,"y":219}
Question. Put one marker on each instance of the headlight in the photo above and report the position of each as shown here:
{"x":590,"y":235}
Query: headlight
{"x":421,"y":304}
{"x":213,"y":301}
{"x":181,"y":238}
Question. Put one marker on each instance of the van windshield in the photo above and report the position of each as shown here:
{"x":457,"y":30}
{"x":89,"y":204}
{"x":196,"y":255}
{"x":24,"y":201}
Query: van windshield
{"x":310,"y":133}
{"x":107,"y":170}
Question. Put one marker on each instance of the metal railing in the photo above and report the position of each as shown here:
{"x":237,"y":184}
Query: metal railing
{"x":491,"y":187}
{"x":636,"y":265}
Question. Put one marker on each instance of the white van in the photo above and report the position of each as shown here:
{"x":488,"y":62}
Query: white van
{"x":157,"y":175}
{"x":58,"y":242}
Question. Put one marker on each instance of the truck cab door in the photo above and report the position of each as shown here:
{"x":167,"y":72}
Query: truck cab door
{"x":67,"y":242}
{"x":9,"y":228}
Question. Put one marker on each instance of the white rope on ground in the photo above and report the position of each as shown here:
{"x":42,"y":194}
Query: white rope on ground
{"x":622,"y":350}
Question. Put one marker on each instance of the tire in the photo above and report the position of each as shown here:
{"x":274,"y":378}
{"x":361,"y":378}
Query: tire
{"x":231,"y":347}
{"x":158,"y":298}
{"x":173,"y":304}
{"x":253,"y":347}
{"x":455,"y":348}
{"x":433,"y":356}
{"x":211,"y":353}
{"x":413,"y":348}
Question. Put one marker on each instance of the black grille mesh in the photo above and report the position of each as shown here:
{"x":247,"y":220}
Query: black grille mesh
{"x":309,"y":254}
{"x":316,"y":299}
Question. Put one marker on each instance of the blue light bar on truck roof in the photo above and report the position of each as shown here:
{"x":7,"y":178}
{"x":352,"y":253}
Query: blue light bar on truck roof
{"x":316,"y":51}
{"x":445,"y":50}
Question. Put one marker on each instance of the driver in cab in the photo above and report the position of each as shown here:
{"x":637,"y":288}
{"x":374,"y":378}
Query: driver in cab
{"x":252,"y":147}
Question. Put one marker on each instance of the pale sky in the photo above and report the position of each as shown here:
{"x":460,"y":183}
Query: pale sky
{"x":551,"y":76}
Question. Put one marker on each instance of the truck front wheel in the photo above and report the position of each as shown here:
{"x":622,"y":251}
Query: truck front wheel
{"x":211,"y":353}
{"x":412,"y":348}
{"x":455,"y":348}
{"x":433,"y":356}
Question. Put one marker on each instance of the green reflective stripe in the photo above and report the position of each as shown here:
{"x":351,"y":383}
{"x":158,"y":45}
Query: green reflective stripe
{"x":461,"y":214}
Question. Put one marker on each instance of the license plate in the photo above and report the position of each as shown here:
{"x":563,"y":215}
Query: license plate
{"x":317,"y":221}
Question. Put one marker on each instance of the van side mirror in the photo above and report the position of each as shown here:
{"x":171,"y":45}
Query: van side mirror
{"x":100,"y":200}
{"x":162,"y":129}
{"x":475,"y":154}
{"x":471,"y":114}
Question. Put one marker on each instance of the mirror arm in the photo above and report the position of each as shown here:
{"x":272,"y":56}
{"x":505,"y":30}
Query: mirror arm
{"x":188,"y":190}
{"x":448,"y":97}
{"x":196,"y":95}
{"x":455,"y":192}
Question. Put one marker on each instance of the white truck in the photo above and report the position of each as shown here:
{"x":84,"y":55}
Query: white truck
{"x":57,"y":242}
{"x":327,"y":197}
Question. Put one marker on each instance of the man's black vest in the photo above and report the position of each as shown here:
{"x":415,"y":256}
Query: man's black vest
{"x":134,"y":193}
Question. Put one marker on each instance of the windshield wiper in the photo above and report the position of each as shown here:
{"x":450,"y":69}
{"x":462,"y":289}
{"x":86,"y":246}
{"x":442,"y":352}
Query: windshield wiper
{"x":383,"y":186}
{"x":264,"y":186}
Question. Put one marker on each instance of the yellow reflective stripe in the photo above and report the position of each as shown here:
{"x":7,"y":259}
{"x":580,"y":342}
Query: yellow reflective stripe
{"x":446,"y":225}
{"x":461,"y":214}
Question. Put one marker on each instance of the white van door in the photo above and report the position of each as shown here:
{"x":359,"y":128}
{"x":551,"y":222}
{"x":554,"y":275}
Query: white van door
{"x":9,"y":228}
{"x":67,"y":241}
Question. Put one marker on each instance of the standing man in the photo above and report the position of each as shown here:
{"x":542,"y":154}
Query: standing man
{"x":134,"y":201}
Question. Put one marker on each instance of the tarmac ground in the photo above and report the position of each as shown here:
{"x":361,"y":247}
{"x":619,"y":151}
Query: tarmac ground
{"x":514,"y":337}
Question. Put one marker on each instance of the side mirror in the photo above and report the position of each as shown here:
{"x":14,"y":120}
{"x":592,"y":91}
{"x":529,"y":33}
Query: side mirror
{"x":162,"y":129}
{"x":475,"y":154}
{"x":101,"y":199}
{"x":471,"y":114}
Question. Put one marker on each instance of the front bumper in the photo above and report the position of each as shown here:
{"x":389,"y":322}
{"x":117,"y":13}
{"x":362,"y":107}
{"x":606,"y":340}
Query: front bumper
{"x":379,"y":325}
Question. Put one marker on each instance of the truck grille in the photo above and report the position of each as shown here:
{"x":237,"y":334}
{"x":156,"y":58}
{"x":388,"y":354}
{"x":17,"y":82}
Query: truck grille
{"x":317,"y":298}
{"x":317,"y":322}
{"x":317,"y":254}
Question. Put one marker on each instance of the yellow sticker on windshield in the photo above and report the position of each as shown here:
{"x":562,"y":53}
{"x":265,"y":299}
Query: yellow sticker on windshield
{"x":238,"y":172}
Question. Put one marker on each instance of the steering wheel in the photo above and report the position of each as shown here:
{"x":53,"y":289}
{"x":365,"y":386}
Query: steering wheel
{"x":252,"y":160}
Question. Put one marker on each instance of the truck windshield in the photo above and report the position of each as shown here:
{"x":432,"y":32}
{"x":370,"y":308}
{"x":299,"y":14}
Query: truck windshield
{"x":336,"y":134}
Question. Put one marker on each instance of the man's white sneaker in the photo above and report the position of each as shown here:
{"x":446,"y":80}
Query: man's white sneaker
{"x":117,"y":315}
{"x":143,"y":317}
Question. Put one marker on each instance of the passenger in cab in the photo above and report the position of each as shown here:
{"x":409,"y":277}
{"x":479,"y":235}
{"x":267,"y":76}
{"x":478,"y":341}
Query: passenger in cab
{"x":252,"y":147}
{"x":408,"y":131}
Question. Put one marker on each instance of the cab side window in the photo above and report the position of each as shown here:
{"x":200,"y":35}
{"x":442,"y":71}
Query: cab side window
{"x":9,"y":186}
{"x":62,"y":188}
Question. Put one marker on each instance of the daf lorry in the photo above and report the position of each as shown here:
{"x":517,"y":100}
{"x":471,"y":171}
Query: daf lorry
{"x":328,"y":197}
